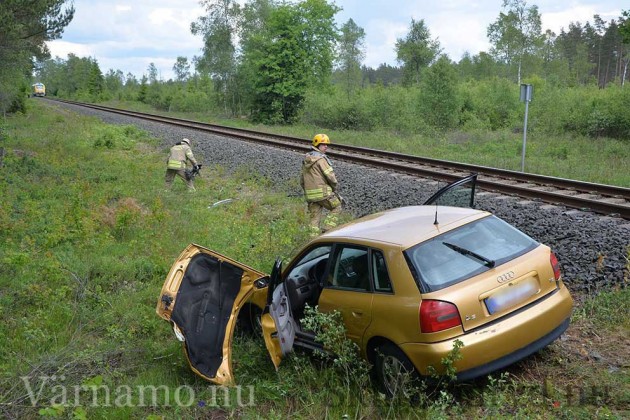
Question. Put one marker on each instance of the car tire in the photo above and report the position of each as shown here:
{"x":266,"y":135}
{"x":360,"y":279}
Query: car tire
{"x":395,"y":374}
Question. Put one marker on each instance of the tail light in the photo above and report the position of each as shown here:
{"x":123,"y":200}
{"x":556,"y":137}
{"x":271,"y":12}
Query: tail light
{"x":555,"y":265}
{"x":437,"y":315}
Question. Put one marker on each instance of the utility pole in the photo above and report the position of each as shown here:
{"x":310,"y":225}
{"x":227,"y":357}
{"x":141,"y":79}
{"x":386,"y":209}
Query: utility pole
{"x":526,"y":96}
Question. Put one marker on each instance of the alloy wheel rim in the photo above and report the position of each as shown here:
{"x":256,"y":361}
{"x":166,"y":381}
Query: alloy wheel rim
{"x":395,"y":375}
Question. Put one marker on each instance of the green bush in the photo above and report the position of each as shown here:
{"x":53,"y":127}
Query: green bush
{"x":586,"y":110}
{"x":494,"y":102}
{"x":193,"y":101}
{"x":372,"y":108}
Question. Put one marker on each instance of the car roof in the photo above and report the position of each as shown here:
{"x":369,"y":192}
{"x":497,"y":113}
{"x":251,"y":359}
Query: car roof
{"x":405,"y":226}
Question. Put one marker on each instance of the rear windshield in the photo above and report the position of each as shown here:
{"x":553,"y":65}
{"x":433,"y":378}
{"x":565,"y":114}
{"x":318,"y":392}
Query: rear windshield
{"x":465,"y":252}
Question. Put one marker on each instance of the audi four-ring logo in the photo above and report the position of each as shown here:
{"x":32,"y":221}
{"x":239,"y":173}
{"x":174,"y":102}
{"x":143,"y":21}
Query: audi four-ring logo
{"x":505,"y":277}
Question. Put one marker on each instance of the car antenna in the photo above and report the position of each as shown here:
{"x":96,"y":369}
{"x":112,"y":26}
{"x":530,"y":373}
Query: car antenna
{"x":435,"y":222}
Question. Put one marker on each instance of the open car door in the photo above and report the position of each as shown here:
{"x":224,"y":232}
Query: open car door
{"x":278,"y":325}
{"x":460,"y":193}
{"x":201,"y":298}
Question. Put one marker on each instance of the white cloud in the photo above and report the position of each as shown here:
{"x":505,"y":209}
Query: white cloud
{"x":458,"y":34}
{"x":61,"y":49}
{"x":128,"y":35}
{"x":381,"y":36}
{"x":556,"y":21}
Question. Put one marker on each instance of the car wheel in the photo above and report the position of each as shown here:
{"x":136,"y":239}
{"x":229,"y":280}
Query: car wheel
{"x":395,"y":374}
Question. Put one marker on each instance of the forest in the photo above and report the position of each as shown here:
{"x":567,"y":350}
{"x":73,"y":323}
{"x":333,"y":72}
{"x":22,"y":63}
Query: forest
{"x":284,"y":63}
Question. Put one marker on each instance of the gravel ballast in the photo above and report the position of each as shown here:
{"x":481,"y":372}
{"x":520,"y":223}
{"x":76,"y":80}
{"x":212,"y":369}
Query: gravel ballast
{"x":592,"y":249}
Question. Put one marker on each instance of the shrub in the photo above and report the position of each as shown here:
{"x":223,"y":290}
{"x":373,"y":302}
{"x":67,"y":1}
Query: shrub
{"x":331,"y":332}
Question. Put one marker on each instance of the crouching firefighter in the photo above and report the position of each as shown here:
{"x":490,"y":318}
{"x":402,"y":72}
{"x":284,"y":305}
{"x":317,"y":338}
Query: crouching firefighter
{"x":178,"y":157}
{"x":320,"y":186}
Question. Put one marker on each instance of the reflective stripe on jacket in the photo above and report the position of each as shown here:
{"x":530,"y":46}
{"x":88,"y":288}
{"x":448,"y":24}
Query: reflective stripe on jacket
{"x":178,"y":156}
{"x":318,"y":178}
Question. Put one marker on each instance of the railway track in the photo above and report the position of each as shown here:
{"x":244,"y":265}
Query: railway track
{"x":599,"y":198}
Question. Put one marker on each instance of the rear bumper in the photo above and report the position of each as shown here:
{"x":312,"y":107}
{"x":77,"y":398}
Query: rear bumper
{"x":514,"y":356}
{"x":500,"y":344}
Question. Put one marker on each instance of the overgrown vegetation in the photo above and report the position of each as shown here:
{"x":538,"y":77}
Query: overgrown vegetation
{"x":286,"y":68}
{"x":25,"y":29}
{"x":279,"y":63}
{"x":88,"y":235}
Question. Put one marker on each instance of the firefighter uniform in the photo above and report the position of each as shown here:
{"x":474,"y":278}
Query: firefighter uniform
{"x":176,"y":164}
{"x":320,"y":184}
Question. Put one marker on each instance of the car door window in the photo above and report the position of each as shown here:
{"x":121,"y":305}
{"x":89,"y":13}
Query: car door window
{"x":304,"y":280}
{"x":350,"y":269}
{"x":460,"y":193}
{"x":379,"y":272}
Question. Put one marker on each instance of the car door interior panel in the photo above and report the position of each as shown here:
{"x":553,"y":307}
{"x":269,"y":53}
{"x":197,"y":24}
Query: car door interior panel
{"x":203,"y":308}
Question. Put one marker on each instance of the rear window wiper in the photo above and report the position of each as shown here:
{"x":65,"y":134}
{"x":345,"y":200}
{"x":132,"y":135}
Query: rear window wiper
{"x":487,"y":262}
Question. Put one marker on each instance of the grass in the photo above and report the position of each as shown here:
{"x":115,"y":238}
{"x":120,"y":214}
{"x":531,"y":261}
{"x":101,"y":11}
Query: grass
{"x":598,"y":160}
{"x":88,"y":235}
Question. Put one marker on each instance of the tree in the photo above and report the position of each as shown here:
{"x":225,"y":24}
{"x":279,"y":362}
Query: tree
{"x":25,"y":26}
{"x":600,"y":30}
{"x":612,"y":46}
{"x":114,"y":81}
{"x":438,"y":95}
{"x":516,"y":34}
{"x":153,"y":73}
{"x":416,"y":52}
{"x":555,"y":65}
{"x":95,"y":81}
{"x":181,"y":68}
{"x":254,"y":24}
{"x":281,"y":69}
{"x":292,"y":53}
{"x":142,"y":91}
{"x":131,"y":80}
{"x":624,"y":31}
{"x":76,"y":77}
{"x":219,"y":29}
{"x":350,"y":55}
{"x":319,"y":36}
{"x":384,"y":74}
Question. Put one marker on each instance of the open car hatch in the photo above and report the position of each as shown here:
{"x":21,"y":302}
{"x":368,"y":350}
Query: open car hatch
{"x":201,"y":297}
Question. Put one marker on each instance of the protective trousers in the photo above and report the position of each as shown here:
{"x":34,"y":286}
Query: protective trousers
{"x":316,"y":211}
{"x":170,"y":176}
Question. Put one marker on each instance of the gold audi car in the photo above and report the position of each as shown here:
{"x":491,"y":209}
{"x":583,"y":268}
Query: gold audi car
{"x":409,"y":282}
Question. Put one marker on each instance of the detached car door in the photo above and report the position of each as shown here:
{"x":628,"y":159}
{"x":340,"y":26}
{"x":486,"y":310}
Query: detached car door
{"x":201,"y":298}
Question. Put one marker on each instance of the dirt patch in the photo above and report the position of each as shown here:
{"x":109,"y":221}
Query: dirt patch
{"x":459,"y":137}
{"x":127,"y":208}
{"x":584,"y":341}
{"x":24,"y":153}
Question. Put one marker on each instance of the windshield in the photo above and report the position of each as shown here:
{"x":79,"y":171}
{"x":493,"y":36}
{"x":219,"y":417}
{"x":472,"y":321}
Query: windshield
{"x":465,"y":252}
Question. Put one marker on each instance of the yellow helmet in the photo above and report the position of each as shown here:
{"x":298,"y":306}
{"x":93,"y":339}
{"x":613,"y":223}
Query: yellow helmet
{"x":320,"y":139}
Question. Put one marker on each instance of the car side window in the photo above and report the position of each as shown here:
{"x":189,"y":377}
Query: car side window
{"x":311,"y":266}
{"x":350,"y":269}
{"x":382,"y":282}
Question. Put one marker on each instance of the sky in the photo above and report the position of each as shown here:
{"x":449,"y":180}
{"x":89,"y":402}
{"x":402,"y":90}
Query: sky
{"x":128,"y":35}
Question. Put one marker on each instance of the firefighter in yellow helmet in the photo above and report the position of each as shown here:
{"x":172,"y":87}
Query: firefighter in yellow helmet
{"x":179,"y":155}
{"x":320,"y":186}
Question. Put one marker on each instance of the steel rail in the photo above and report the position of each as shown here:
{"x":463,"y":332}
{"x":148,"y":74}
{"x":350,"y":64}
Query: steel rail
{"x":579,"y":193}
